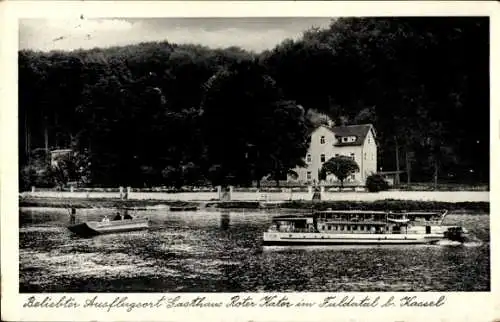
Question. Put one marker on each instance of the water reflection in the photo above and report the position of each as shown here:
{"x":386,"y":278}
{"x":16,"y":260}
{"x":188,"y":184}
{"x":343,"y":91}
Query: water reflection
{"x":211,"y":251}
{"x":225,"y":220}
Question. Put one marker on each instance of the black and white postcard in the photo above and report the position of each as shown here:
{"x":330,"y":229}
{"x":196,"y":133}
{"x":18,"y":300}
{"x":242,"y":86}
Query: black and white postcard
{"x":284,"y":161}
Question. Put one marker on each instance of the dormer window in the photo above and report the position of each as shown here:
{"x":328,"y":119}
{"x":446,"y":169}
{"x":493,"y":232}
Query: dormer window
{"x":322,"y":140}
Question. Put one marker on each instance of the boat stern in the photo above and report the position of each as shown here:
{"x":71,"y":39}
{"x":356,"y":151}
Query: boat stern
{"x":456,"y":233}
{"x":83,"y":230}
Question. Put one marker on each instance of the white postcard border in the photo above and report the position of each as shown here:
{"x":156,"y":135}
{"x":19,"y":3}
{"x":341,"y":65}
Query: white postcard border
{"x":459,"y":306}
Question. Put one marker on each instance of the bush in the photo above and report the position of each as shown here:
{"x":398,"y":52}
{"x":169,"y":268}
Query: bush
{"x":376,"y":183}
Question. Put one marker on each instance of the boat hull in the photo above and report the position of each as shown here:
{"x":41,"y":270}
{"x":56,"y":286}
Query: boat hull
{"x":187,"y":208}
{"x":302,"y":239}
{"x":93,"y":228}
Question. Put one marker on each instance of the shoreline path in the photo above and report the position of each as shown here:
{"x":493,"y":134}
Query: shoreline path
{"x":447,"y":196}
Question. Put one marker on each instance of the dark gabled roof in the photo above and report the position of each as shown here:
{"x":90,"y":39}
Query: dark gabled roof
{"x":359,"y":131}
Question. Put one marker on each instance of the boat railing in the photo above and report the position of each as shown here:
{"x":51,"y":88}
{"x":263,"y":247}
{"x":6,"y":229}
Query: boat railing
{"x":357,"y":223}
{"x":291,"y":230}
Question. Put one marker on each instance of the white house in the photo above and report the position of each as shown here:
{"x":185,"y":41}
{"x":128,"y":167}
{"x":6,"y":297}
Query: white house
{"x":355,"y":141}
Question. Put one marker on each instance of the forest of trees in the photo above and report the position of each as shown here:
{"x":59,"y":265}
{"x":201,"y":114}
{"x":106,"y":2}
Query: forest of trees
{"x":166,"y":114}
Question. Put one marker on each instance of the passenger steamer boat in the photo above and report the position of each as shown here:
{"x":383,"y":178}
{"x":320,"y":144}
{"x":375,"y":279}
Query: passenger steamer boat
{"x":362,"y":228}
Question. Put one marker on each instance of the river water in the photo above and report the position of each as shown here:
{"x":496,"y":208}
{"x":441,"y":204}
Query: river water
{"x":214,"y":251}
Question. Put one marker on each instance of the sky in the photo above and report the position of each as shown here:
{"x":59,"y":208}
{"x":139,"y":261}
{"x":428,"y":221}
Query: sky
{"x":255,"y":34}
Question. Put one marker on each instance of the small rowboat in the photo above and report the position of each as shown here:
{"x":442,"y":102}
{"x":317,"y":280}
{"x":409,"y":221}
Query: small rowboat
{"x":93,"y":228}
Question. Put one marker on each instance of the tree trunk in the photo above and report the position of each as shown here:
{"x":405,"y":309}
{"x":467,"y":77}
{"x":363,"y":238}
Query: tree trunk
{"x":435,"y":174}
{"x":46,"y":134}
{"x":396,"y":180}
{"x":408,"y":169}
{"x":27,"y":136}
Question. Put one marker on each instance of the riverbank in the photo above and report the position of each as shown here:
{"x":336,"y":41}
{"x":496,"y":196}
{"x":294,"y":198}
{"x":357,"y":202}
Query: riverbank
{"x":98,"y":203}
{"x":385,"y":204}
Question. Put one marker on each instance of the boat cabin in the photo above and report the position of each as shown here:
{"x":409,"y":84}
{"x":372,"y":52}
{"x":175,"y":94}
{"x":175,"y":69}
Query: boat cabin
{"x":359,"y":222}
{"x":426,"y":218}
{"x":292,"y":224}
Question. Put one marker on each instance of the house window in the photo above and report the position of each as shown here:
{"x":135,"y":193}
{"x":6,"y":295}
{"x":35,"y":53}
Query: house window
{"x":369,"y":140}
{"x":308,"y":175}
{"x":308,"y":158}
{"x":352,"y":156}
{"x":322,"y":140}
{"x":344,"y":139}
{"x":336,"y":154}
{"x":353,"y":177}
{"x":365,"y":155}
{"x":372,"y":156}
{"x":322,"y":158}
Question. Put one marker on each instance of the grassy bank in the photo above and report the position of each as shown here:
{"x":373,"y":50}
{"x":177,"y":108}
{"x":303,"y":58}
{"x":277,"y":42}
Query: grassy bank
{"x":96,"y":203}
{"x":316,"y":205}
{"x":390,"y":204}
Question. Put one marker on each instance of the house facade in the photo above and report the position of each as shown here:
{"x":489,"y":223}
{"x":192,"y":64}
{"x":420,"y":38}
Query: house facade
{"x":354,"y":141}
